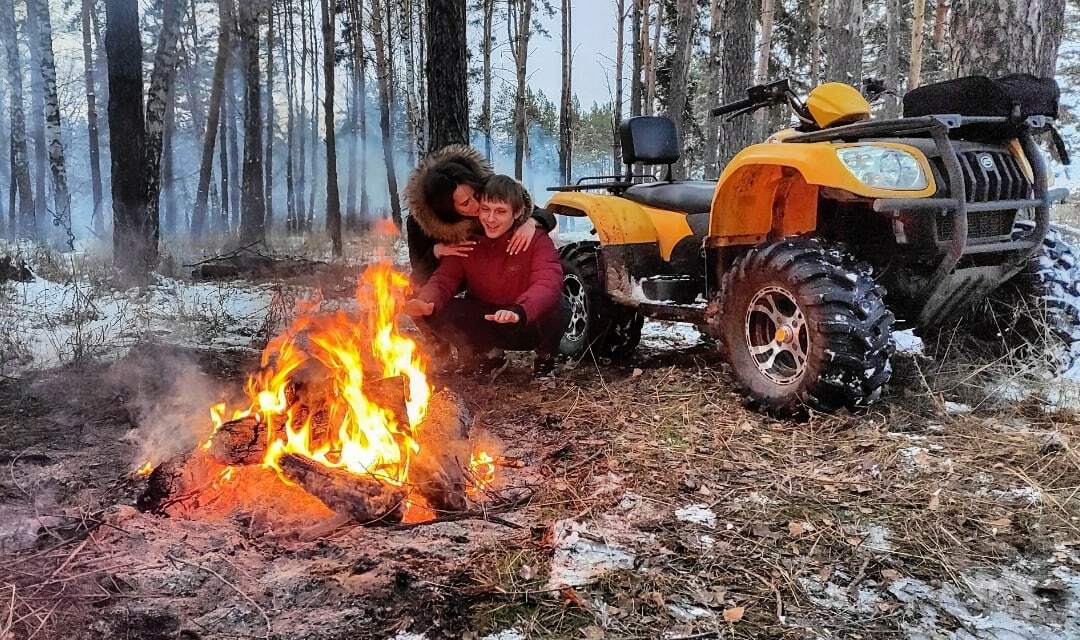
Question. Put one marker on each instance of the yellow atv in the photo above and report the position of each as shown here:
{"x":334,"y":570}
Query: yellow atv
{"x":785,"y":259}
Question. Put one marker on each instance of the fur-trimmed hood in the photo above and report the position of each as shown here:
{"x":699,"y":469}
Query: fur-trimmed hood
{"x":420,"y":209}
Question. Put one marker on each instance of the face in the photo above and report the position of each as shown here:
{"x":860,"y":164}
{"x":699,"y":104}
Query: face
{"x":465,"y":202}
{"x":496,"y":217}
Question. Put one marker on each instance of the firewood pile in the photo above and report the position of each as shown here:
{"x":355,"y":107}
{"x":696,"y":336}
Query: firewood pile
{"x":438,"y":473}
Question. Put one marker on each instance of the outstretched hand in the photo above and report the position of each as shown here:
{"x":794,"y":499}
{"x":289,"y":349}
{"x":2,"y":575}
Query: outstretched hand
{"x":502,"y":316}
{"x":523,"y":237}
{"x":416,"y":307}
{"x":460,"y":249}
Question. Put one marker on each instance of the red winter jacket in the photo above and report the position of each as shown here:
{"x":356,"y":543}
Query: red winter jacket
{"x":531,"y":280}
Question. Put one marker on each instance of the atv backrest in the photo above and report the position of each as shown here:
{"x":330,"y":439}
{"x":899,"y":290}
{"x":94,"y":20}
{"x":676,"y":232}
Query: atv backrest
{"x":649,"y":140}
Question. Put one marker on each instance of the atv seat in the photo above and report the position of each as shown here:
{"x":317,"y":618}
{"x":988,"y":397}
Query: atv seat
{"x":654,"y":140}
{"x":688,"y":196}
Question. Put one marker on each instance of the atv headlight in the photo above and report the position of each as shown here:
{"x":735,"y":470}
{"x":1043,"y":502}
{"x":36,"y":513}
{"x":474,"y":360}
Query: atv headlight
{"x":883,"y":167}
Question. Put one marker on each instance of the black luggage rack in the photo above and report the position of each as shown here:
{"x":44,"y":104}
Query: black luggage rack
{"x":614,"y":184}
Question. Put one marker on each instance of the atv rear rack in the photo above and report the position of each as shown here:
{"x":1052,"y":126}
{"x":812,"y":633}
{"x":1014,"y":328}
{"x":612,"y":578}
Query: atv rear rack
{"x":939,"y":302}
{"x":615,"y":184}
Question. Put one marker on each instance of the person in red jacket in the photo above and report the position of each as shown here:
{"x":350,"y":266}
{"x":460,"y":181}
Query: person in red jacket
{"x":511,"y":301}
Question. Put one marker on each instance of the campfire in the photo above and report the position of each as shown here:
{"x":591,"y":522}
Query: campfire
{"x":341,"y":408}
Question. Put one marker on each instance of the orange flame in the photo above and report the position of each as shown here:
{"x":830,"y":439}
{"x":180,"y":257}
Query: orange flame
{"x":364,"y":437}
{"x":482,"y":470}
{"x":145,"y":469}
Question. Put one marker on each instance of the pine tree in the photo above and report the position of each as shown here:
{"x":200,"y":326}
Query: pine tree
{"x":382,"y":76}
{"x":519,"y":30}
{"x":447,"y":74}
{"x":844,"y":43}
{"x":96,"y":219}
{"x":253,"y":202}
{"x":737,"y":68}
{"x":333,"y":204}
{"x":998,"y":37}
{"x":686,"y":17}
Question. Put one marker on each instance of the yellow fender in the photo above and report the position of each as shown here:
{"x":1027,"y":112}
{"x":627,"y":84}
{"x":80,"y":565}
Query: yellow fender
{"x":619,"y":221}
{"x":771,"y":189}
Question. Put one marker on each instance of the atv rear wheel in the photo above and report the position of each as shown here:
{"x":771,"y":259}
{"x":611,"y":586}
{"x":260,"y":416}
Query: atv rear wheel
{"x":613,"y":331}
{"x":1038,"y":311}
{"x":801,"y":326}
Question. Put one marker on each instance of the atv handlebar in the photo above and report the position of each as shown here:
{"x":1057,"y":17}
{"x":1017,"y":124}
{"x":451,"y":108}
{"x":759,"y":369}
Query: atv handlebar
{"x":757,"y":97}
{"x":725,"y":109}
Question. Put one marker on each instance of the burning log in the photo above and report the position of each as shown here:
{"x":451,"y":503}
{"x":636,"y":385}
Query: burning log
{"x":245,"y":441}
{"x":363,"y":498}
{"x":438,"y":472}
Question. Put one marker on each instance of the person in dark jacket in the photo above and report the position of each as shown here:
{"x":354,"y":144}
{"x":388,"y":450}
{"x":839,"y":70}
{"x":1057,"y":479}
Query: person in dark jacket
{"x":512,"y":300}
{"x":442,"y":198}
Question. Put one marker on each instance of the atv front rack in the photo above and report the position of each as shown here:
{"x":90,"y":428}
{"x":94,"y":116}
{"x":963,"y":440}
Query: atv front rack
{"x":939,"y":301}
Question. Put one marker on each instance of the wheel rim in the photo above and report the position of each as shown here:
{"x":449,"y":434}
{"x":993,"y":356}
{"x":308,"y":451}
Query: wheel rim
{"x":777,"y":335}
{"x":579,"y":310}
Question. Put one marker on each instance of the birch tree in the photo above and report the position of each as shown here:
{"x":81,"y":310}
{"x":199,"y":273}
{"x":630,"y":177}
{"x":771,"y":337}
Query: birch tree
{"x":37,"y":124}
{"x":268,"y":163}
{"x":158,"y":97}
{"x":892,"y":57}
{"x":213,"y":121}
{"x":19,"y":161}
{"x":57,"y":163}
{"x":918,"y":23}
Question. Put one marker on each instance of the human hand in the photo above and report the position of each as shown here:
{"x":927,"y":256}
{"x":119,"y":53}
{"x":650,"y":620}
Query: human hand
{"x":459,"y":249}
{"x":417,"y":307}
{"x":523,"y":237}
{"x":502,"y":316}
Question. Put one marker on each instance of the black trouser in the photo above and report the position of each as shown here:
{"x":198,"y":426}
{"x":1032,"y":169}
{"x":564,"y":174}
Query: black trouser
{"x":462,"y":322}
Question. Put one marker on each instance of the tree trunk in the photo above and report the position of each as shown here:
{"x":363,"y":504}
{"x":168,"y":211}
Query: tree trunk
{"x":519,"y":26}
{"x":333,"y":205}
{"x":761,"y":75}
{"x":815,"y":42}
{"x":384,"y":110}
{"x":892,"y":57}
{"x":447,"y":74}
{"x":713,"y":72}
{"x":918,"y":24}
{"x":414,"y":130}
{"x":134,"y":238}
{"x":941,"y":14}
{"x":650,"y":66}
{"x":616,"y":105}
{"x":998,"y":37}
{"x":360,"y":103}
{"x":353,"y":118}
{"x":169,"y":209}
{"x":20,"y":166}
{"x":309,"y":222}
{"x":301,"y":118}
{"x":636,"y":40}
{"x":253,"y":202}
{"x":486,"y":45}
{"x":737,"y":68}
{"x":224,"y":221}
{"x":680,"y":70}
{"x":231,"y":110}
{"x":160,"y":92}
{"x":213,"y":119}
{"x":271,"y":112}
{"x":844,"y":43}
{"x":566,"y":98}
{"x":96,"y":219}
{"x":37,"y":127}
{"x":288,"y":58}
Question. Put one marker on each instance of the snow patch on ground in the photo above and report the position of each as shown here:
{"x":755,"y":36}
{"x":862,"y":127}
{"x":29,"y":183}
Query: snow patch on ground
{"x":697,"y":514}
{"x":581,"y":557}
{"x":908,"y":342}
{"x":669,"y":335}
{"x":45,"y":323}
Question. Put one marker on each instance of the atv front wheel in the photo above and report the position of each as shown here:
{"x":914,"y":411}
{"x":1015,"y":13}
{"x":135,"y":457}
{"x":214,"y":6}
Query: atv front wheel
{"x":613,"y":331}
{"x":801,"y":326}
{"x":1038,"y":310}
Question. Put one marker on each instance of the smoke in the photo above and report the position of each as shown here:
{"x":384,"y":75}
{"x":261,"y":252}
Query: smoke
{"x":170,"y":400}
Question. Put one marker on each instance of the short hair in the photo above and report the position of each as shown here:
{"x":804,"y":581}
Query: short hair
{"x":440,"y":182}
{"x":502,"y":188}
